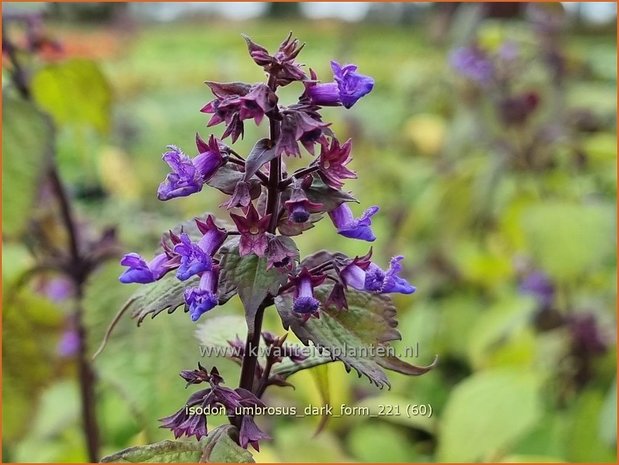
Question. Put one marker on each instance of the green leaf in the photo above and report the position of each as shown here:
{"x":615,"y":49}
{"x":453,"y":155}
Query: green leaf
{"x":74,"y":92}
{"x":354,"y":336}
{"x":253,"y":281}
{"x":30,"y":327}
{"x":152,"y":299}
{"x":288,"y":368}
{"x":569,"y":240}
{"x":381,"y":442}
{"x":27,"y":148}
{"x":261,"y":153}
{"x":217,"y":447}
{"x":585,"y":443}
{"x":471,"y":428}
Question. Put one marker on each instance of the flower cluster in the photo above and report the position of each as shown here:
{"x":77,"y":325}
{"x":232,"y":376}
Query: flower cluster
{"x":267,"y":206}
{"x":190,"y":420}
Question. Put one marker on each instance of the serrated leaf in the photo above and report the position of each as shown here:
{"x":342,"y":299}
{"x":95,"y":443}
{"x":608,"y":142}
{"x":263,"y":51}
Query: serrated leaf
{"x":74,"y":92}
{"x":330,"y":198}
{"x":217,"y":447}
{"x":27,"y":146}
{"x":260,"y":154}
{"x":352,"y":336}
{"x":288,"y":368}
{"x":152,"y":299}
{"x":253,"y":282}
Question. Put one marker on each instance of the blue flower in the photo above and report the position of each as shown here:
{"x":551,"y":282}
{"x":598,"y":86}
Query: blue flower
{"x":304,"y":301}
{"x":189,"y":175}
{"x":197,"y":257}
{"x":203,"y":298}
{"x":141,"y":272}
{"x":354,"y":228}
{"x":363,"y":275}
{"x":348,"y":87}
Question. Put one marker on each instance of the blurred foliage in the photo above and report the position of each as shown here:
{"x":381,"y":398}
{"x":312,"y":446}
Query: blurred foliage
{"x":514,"y":382}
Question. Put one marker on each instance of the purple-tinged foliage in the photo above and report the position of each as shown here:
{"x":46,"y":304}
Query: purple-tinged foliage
{"x":354,"y":228}
{"x":279,"y":253}
{"x":300,"y":123}
{"x":281,"y":65}
{"x":235,"y":102}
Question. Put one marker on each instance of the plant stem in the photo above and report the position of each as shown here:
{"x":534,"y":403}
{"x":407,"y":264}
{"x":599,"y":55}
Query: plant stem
{"x":250,"y":360}
{"x":298,"y":174}
{"x":78,"y":273}
{"x":87,"y":384}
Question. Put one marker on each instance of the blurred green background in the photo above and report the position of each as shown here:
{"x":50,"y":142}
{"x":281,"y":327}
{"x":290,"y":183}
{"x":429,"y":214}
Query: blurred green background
{"x":520,"y":377}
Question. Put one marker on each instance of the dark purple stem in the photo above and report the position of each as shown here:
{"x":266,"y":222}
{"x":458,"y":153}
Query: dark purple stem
{"x":250,"y":360}
{"x":298,"y":174}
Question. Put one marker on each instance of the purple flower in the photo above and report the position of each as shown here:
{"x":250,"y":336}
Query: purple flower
{"x":472,"y":63}
{"x":253,"y":232}
{"x":250,"y":433}
{"x":188,"y":176}
{"x":69,"y":343}
{"x":539,"y":285}
{"x":203,"y":298}
{"x":141,"y":272}
{"x":333,"y":160}
{"x":56,"y":289}
{"x":354,"y":228}
{"x":365,"y":275}
{"x":349,"y":86}
{"x":197,"y":257}
{"x":280,"y":253}
{"x":299,"y":206}
{"x":304,"y":301}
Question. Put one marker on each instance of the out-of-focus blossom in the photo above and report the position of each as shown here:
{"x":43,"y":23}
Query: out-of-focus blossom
{"x":472,"y":63}
{"x":539,"y":285}
{"x":69,"y":343}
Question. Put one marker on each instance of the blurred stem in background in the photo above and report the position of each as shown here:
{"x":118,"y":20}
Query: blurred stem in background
{"x":76,"y":262}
